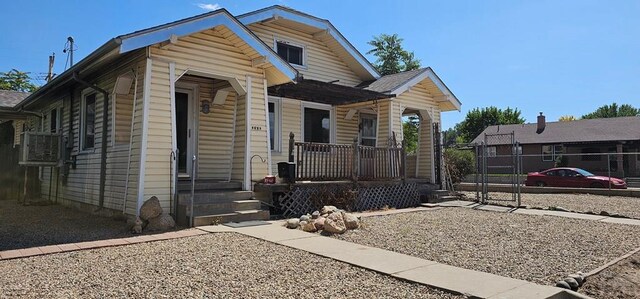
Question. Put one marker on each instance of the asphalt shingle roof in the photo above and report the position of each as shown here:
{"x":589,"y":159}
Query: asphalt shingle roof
{"x":390,"y":82}
{"x":10,"y":98}
{"x":584,"y":130}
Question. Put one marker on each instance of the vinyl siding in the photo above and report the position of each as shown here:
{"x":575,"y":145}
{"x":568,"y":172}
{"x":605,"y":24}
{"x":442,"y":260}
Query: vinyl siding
{"x":322,"y":63}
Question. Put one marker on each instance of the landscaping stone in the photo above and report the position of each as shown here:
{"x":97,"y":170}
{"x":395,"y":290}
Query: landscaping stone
{"x":308,"y":226}
{"x":350,"y":221}
{"x":335,"y":224}
{"x":161,"y":223}
{"x":319,"y":223}
{"x":561,"y":209}
{"x":137,"y":226}
{"x":578,"y":278}
{"x":328,"y":209}
{"x":293,"y":223}
{"x":572,"y":283}
{"x":315,"y":214}
{"x":150,"y":208}
{"x":305,"y":218}
{"x":563,"y":284}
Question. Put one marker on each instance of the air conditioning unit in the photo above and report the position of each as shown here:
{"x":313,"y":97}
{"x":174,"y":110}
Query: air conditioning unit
{"x":40,"y":149}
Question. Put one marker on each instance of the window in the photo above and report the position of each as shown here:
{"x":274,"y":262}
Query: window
{"x":291,"y":53}
{"x":54,"y":120}
{"x":589,"y":154}
{"x":274,"y":124}
{"x":368,"y":124}
{"x":551,"y":152}
{"x":88,"y":128}
{"x":491,"y":151}
{"x":317,"y":125}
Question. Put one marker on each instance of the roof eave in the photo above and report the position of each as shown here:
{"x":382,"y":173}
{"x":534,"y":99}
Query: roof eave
{"x":430,"y":74}
{"x":322,"y":24}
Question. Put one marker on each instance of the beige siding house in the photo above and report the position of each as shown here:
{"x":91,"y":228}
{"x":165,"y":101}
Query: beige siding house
{"x":213,"y":99}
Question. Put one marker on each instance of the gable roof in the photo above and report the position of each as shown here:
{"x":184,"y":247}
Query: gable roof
{"x":401,"y":82}
{"x":150,"y":36}
{"x":362,"y":66}
{"x":577,"y":131}
{"x":10,"y":98}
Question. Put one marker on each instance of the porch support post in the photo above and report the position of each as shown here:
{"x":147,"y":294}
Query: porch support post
{"x":266,"y":112}
{"x":355,"y":170}
{"x":174,"y":142}
{"x":145,"y":133}
{"x":620,"y":159}
{"x":291,"y":146}
{"x":247,"y":143}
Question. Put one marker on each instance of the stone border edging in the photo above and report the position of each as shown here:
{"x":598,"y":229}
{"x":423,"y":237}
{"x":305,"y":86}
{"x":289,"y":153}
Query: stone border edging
{"x":69,"y":247}
{"x":611,"y":263}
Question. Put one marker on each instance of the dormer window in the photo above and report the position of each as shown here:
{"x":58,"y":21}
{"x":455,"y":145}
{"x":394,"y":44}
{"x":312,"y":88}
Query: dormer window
{"x":293,"y":54}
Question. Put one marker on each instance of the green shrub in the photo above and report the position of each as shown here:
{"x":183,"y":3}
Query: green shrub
{"x":459,"y":163}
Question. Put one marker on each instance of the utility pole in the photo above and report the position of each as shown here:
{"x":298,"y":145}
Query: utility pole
{"x":52,"y":58}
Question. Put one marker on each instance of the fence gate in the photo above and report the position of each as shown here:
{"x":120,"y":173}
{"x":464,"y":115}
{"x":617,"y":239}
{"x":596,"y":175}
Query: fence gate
{"x":499,"y":161}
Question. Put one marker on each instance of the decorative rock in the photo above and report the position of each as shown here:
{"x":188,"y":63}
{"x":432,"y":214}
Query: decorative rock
{"x":150,"y":209}
{"x":161,"y":223}
{"x":308,"y":226}
{"x":579,"y":279}
{"x":315,"y":214}
{"x":324,"y":215}
{"x":561,"y":209}
{"x":604,"y":213}
{"x":572,"y":283}
{"x":304,"y":218}
{"x":350,"y":221}
{"x":335,"y":224}
{"x":319,"y":223}
{"x":563,"y":284}
{"x":293,"y":223}
{"x":137,"y":226}
{"x":328,"y":209}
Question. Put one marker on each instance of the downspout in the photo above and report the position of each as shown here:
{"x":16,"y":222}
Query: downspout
{"x":105,"y":127}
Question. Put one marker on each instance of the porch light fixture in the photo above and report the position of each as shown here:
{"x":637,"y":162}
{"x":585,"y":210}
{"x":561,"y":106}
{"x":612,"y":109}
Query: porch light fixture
{"x":205,"y":107}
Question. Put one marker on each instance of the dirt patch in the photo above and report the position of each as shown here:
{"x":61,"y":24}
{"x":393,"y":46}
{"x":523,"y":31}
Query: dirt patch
{"x":30,"y":226}
{"x":620,"y":281}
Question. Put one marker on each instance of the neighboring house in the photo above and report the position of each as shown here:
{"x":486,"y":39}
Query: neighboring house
{"x":8,"y":100}
{"x":583,"y":143}
{"x":223,"y":90}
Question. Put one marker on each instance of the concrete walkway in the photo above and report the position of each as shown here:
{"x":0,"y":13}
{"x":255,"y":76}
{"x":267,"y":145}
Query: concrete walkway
{"x":453,"y":279}
{"x":495,"y":208}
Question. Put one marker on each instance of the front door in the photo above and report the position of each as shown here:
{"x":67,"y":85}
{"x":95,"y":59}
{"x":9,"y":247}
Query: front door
{"x":184,"y":131}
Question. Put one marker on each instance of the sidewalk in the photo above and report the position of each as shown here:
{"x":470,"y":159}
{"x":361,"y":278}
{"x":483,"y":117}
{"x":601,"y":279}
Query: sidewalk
{"x":453,"y":279}
{"x":495,"y":208}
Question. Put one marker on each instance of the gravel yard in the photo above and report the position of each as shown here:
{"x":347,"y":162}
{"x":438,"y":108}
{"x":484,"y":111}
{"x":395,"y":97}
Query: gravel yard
{"x":540,"y":249}
{"x":621,"y":280}
{"x":626,"y":206}
{"x":30,"y":226}
{"x":222,"y":265}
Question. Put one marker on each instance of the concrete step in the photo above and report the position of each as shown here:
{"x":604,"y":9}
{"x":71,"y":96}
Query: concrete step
{"x":207,"y":197}
{"x":223,"y":207}
{"x":237,"y":216}
{"x":185,"y":186}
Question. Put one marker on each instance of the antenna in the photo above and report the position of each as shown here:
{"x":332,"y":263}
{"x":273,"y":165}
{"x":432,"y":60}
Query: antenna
{"x":69,"y":46}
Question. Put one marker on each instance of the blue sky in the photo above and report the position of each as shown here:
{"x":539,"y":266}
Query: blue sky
{"x":559,"y":57}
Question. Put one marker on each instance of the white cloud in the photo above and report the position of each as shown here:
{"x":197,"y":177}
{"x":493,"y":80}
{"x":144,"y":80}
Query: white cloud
{"x":209,"y":6}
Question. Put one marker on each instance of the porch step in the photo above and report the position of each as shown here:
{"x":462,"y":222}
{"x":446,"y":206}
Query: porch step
{"x":237,"y":216}
{"x":212,"y":197}
{"x":209,"y":185}
{"x":224,"y":207}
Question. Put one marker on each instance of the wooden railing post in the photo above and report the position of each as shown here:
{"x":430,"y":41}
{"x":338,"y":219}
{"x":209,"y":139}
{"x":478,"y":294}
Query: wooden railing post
{"x":291,"y":146}
{"x":403,"y":162}
{"x":355,"y":171}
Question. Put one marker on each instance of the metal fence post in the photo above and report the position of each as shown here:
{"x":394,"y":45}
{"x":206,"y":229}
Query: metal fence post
{"x":609,"y":171}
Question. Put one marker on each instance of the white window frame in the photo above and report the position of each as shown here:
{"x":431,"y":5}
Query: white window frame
{"x":554,"y":154}
{"x":58,"y":109}
{"x":277,"y":123}
{"x":288,"y":42}
{"x":368,"y":114}
{"x":332,"y":119}
{"x":83,"y":104}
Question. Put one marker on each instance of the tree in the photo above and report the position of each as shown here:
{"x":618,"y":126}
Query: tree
{"x":567,"y":118}
{"x":613,"y":110}
{"x":391,"y":57}
{"x":16,"y":80}
{"x":410,"y":133}
{"x":479,"y":119}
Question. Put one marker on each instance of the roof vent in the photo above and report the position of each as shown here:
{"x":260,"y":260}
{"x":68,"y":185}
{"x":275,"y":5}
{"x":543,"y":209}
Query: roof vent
{"x":541,"y":123}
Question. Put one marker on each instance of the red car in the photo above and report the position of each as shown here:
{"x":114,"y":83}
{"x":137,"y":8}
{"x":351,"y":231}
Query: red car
{"x":572,"y":177}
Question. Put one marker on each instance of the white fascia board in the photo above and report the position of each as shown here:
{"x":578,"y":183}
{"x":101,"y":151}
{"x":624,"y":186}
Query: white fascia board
{"x":430,"y":74}
{"x":249,"y":19}
{"x":141,"y":40}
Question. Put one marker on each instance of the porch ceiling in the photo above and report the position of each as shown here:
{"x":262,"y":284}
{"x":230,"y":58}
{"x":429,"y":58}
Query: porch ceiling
{"x":326,"y":93}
